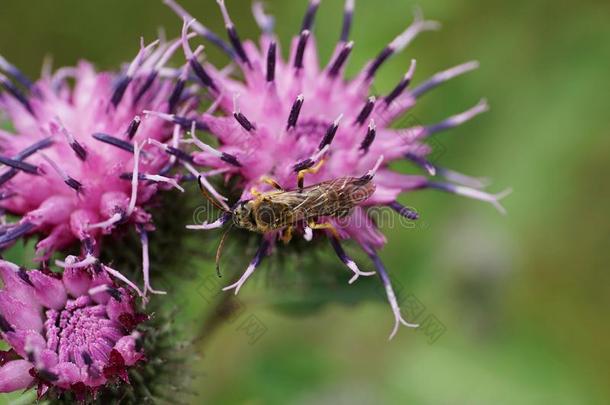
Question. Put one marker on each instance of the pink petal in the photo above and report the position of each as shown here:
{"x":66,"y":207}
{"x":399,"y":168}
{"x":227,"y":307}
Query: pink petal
{"x":68,"y":374}
{"x":15,"y":375}
{"x":127,"y":347}
{"x":116,"y":308}
{"x":20,"y":338}
{"x":15,"y":285}
{"x":20,"y":315}
{"x":77,"y":281}
{"x":49,"y":291}
{"x":101,"y":279}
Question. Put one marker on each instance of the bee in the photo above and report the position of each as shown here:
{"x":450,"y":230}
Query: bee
{"x":285,"y":209}
{"x":282,"y":209}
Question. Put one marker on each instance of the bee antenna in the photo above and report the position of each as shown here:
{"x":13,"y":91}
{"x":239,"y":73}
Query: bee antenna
{"x":209,"y":197}
{"x":220,"y":249}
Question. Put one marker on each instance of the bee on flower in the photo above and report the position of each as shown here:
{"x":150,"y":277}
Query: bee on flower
{"x":286,"y":124}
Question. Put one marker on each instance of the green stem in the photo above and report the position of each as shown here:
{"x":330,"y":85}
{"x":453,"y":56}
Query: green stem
{"x":223,"y":309}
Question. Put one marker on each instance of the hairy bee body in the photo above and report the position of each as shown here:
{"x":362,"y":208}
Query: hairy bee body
{"x":278,"y":209}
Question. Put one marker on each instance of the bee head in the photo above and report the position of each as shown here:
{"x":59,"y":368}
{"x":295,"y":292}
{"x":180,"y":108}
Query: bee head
{"x":243,"y":216}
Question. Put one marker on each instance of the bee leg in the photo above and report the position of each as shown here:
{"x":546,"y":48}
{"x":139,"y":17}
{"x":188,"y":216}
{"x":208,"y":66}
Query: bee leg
{"x":254,"y":191}
{"x":272,"y":183}
{"x":328,"y":226}
{"x":287,"y":234}
{"x":311,"y":170}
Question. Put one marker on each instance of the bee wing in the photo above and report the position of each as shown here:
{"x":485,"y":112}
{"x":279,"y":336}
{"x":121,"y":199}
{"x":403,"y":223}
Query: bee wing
{"x":349,"y":190}
{"x":297,"y":201}
{"x":333,"y":198}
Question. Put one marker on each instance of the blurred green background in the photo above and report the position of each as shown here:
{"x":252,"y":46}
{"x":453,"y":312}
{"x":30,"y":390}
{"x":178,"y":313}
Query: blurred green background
{"x":521,"y":302}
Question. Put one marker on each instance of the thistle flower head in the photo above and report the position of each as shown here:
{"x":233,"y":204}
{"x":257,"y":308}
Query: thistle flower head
{"x":79,"y":162}
{"x":290,"y":117}
{"x":74,"y":332}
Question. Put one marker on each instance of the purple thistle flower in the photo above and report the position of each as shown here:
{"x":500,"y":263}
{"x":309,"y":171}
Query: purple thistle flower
{"x":289,"y":115}
{"x":69,"y":332}
{"x":80,"y":162}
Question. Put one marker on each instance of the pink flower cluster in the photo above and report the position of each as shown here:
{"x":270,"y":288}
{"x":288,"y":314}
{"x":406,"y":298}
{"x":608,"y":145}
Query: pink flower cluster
{"x":73,"y":331}
{"x":80,"y":162}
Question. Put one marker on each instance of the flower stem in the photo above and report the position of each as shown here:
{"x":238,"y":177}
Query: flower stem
{"x":222,"y":310}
